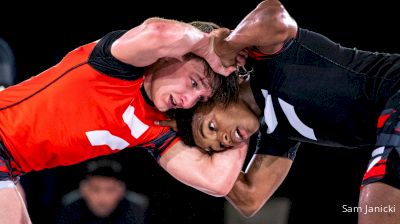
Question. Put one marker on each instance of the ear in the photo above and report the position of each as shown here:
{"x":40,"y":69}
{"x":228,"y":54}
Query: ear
{"x":83,"y":187}
{"x":122,"y":186}
{"x":167,"y":60}
{"x":160,"y":63}
{"x":241,"y":79}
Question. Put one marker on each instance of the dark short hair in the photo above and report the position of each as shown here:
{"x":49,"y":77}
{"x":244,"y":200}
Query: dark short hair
{"x":184,"y":119}
{"x":104,"y":168}
{"x":204,"y":26}
{"x":7,"y":64}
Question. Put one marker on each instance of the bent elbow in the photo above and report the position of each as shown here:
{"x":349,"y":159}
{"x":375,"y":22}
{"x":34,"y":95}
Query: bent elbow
{"x":154,"y":21}
{"x":249,"y":212}
{"x":155,"y":26}
{"x":279,"y":20}
{"x":283,"y":25}
{"x":249,"y":206}
{"x":219,"y":190}
{"x":221,"y":186}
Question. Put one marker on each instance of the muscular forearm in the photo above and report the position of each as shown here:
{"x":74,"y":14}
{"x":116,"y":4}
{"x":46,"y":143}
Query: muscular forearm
{"x":157,"y":38}
{"x":241,"y":196}
{"x":213,"y":174}
{"x":267,"y":27}
{"x":253,"y":189}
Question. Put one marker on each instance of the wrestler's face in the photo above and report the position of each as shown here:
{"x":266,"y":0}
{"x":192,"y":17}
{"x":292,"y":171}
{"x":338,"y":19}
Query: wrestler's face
{"x":223,"y":128}
{"x":179,"y":84}
{"x":102,"y":194}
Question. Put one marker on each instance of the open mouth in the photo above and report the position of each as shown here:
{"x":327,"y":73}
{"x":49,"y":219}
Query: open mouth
{"x":240,"y":135}
{"x":172,"y":101}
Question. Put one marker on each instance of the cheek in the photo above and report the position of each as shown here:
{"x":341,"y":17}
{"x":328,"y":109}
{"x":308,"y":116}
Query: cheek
{"x":196,"y":125}
{"x":172,"y":87}
{"x":249,"y":119}
{"x":92,"y":198}
{"x":114,"y":197}
{"x":199,"y":141}
{"x":159,"y":92}
{"x":202,"y":143}
{"x":179,"y":86}
{"x":236,"y":116}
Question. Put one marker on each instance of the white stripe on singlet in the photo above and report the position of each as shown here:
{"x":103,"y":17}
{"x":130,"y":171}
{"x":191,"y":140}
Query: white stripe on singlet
{"x":6,"y":184}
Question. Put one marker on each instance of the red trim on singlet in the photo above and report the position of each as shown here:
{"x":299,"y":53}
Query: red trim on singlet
{"x":382,"y":119}
{"x":378,"y":170}
{"x":256,"y":54}
{"x":170,"y":145}
{"x":3,"y":168}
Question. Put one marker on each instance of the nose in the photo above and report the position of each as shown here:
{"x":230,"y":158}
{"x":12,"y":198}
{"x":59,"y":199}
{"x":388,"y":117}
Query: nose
{"x":225,"y":139}
{"x":189,"y":100}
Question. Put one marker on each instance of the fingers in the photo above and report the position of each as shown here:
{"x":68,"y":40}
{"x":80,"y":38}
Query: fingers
{"x":230,"y":66}
{"x":221,"y":33}
{"x":240,"y":60}
{"x":224,"y":68}
{"x":164,"y":123}
{"x":229,"y":55}
{"x":167,"y":123}
{"x":230,"y":70}
{"x":226,"y":71}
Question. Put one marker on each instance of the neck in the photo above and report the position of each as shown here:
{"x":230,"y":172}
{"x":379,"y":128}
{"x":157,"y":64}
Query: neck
{"x":247,"y":97}
{"x":145,"y":89}
{"x":147,"y":85}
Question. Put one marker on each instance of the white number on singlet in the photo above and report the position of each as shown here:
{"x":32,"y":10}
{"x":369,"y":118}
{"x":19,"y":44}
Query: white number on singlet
{"x":290,"y":113}
{"x":104,"y":137}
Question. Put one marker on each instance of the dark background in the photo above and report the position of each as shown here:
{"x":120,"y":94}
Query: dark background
{"x":321,"y":180}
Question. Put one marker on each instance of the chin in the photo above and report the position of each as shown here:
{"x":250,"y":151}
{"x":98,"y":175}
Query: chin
{"x":162,"y":107}
{"x":255,"y":129}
